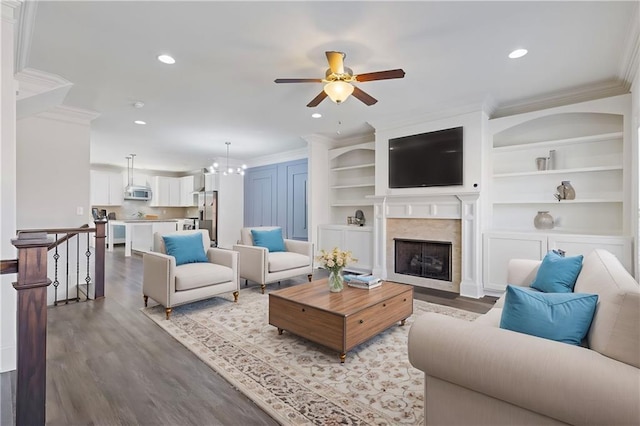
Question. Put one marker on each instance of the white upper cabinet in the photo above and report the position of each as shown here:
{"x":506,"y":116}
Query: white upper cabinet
{"x":187,"y":189}
{"x":107,"y":188}
{"x":172,"y":191}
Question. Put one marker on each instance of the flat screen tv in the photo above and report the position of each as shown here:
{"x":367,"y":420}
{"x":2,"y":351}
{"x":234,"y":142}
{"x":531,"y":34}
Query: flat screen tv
{"x":427,"y":159}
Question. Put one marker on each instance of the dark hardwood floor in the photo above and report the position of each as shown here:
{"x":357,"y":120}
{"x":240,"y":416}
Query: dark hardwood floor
{"x":109,"y":364}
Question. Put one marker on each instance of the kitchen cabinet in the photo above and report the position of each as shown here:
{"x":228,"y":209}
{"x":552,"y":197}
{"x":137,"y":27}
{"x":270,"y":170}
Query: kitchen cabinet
{"x":356,"y":239}
{"x":138,"y":234}
{"x":172,"y":191}
{"x":211,"y":182}
{"x":187,"y":188}
{"x":107,"y":188}
{"x":500,"y":247}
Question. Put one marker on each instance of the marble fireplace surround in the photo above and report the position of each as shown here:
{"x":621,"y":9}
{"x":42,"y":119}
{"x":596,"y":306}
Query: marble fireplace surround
{"x":394,"y":217}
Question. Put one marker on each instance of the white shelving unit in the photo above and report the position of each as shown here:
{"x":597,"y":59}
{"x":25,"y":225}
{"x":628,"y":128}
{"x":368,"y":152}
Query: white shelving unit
{"x":591,"y":149}
{"x":351,"y":180}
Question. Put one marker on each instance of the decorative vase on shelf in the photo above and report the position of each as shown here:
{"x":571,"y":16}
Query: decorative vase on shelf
{"x":565,"y":191}
{"x":336,"y":281}
{"x":543,"y":220}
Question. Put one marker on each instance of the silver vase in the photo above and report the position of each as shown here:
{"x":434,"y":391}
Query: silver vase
{"x":543,"y":220}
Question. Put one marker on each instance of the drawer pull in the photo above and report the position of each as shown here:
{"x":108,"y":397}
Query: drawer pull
{"x":404,"y":300}
{"x":384,"y":305}
{"x":361,"y":321}
{"x":303,"y":310}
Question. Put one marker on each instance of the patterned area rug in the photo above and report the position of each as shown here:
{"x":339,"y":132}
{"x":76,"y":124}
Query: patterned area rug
{"x":296,"y":381}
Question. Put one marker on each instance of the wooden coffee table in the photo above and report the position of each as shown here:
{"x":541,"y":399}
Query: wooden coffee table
{"x":342,"y":320}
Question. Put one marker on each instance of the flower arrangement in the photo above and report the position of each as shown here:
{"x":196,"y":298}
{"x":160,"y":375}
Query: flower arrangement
{"x":336,"y":259}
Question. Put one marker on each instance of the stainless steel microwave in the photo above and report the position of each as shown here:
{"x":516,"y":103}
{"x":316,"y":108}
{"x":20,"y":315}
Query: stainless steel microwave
{"x":142,"y":193}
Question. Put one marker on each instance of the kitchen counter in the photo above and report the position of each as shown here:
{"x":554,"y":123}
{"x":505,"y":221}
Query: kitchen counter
{"x":138,"y":234}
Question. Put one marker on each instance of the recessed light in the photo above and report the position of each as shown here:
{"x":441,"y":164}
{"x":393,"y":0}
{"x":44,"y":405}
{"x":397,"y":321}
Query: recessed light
{"x":140,"y":122}
{"x":316,"y":115}
{"x":518,"y":53}
{"x":166,"y":59}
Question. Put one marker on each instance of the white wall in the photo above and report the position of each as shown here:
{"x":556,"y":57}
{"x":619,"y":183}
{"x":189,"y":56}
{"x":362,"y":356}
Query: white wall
{"x":53,"y":169}
{"x":635,"y":169}
{"x":7,"y":190}
{"x":230,"y":209}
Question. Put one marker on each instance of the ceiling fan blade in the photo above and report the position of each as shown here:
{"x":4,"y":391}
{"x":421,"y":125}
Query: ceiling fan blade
{"x":380,"y":75}
{"x":363,"y":96}
{"x":336,"y":62}
{"x":317,"y":99}
{"x":298,"y":80}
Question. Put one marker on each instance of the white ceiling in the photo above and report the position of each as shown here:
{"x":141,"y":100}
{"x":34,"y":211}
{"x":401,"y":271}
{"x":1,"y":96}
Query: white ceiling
{"x":228,"y":54}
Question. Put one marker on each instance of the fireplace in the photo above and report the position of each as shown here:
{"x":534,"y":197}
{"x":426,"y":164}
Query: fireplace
{"x":423,"y":258}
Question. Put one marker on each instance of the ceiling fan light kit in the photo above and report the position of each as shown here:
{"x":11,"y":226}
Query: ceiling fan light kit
{"x":338,"y":79}
{"x":338,"y":91}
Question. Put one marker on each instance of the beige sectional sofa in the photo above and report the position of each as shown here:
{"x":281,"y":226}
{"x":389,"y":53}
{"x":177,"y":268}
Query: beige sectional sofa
{"x":479,"y":374}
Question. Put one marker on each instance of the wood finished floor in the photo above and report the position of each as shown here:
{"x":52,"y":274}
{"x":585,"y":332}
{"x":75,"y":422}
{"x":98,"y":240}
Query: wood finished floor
{"x":108,"y":364}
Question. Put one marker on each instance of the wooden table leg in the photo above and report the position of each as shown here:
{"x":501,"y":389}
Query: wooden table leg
{"x":280,"y":331}
{"x":403,"y":322}
{"x":343,"y":356}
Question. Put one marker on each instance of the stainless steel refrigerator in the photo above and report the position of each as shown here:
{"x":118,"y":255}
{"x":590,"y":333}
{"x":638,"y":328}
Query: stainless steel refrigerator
{"x":208,"y":214}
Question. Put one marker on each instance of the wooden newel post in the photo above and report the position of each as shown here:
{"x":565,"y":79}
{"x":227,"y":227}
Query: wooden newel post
{"x":100,"y":253}
{"x":32,"y":327}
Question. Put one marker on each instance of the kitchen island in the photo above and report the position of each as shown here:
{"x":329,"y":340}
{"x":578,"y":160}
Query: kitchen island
{"x":138,"y":234}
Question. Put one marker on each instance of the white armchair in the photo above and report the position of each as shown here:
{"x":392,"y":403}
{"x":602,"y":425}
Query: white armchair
{"x":263,"y":267}
{"x":172,"y":285}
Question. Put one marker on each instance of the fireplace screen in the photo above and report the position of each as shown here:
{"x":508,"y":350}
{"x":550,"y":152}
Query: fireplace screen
{"x":426,"y":259}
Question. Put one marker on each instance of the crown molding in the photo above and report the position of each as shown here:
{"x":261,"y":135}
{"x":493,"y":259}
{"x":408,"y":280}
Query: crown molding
{"x":34,"y":82}
{"x":24,"y":33}
{"x":69,"y":115}
{"x":630,"y":57}
{"x":281,"y":157}
{"x":567,"y":97}
{"x":425,"y":117}
{"x":9,"y":10}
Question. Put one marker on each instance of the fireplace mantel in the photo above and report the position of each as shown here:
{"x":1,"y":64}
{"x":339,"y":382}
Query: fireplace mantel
{"x":461,"y":205}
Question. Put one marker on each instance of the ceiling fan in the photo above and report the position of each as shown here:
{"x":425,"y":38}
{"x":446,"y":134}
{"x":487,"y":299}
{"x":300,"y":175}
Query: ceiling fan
{"x":338,"y":79}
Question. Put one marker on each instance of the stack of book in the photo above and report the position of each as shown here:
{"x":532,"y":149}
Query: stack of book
{"x":363,"y":281}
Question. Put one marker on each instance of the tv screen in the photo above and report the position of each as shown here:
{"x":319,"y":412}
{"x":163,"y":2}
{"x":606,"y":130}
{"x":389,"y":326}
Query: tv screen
{"x":427,"y":159}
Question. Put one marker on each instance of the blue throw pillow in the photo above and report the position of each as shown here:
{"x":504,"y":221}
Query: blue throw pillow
{"x":185,"y":248}
{"x":557,"y":274}
{"x":271,"y":239}
{"x":564,"y":317}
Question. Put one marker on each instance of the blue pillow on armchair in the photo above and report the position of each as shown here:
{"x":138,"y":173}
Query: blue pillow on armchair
{"x":185,"y":248}
{"x":270,"y":239}
{"x":557,"y":274}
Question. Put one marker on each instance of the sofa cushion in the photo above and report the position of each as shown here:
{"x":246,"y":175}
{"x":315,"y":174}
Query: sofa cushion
{"x":282,"y":261}
{"x":564,"y":317}
{"x":196,"y":275}
{"x":615,"y":331}
{"x":557,"y":274}
{"x":270,"y":239}
{"x":186,"y":248}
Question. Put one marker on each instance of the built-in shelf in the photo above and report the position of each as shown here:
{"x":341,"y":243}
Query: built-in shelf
{"x":360,"y":185}
{"x":559,"y":171}
{"x":589,"y":149}
{"x":558,"y":142}
{"x":359,"y":166}
{"x":353,"y":203}
{"x":537,"y":199}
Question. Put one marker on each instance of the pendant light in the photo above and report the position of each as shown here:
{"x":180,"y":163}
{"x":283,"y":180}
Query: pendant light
{"x":215,"y":167}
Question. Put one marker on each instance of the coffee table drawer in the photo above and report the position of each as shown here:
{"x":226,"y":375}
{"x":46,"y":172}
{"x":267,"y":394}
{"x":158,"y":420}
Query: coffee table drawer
{"x":314,"y":324}
{"x":377,"y":318}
